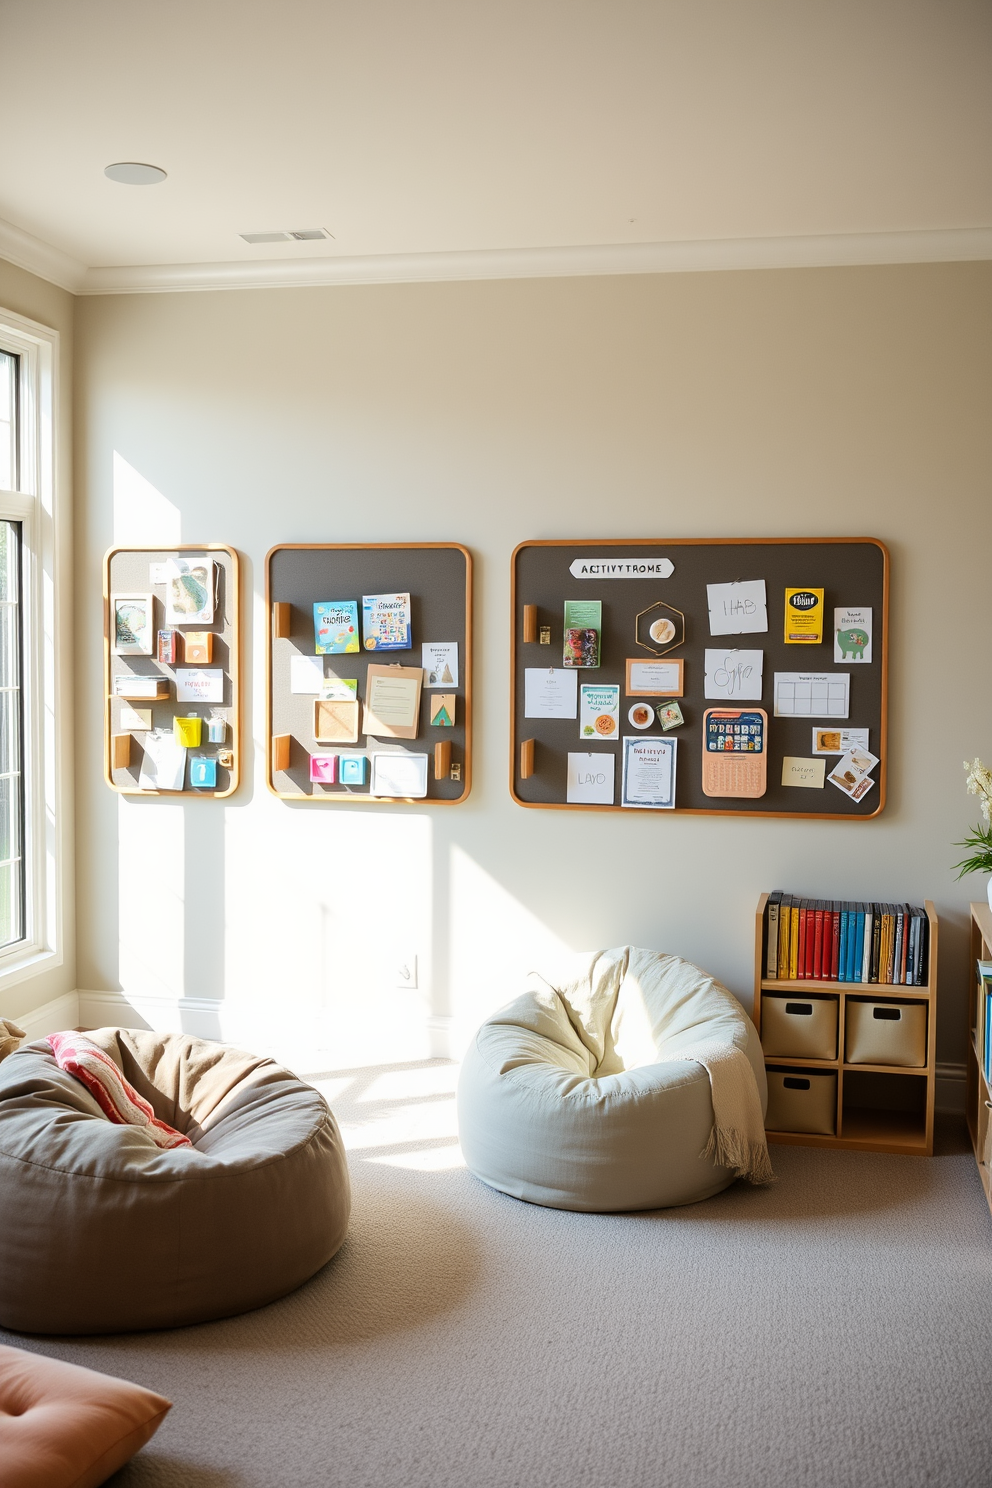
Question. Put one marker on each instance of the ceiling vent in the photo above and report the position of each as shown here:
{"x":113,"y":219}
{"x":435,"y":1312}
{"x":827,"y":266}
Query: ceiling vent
{"x":301,"y":235}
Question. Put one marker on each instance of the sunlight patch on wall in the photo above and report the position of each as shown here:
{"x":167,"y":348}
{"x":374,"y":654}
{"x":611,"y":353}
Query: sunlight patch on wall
{"x":143,"y":517}
{"x":151,"y":897}
{"x":495,"y":942}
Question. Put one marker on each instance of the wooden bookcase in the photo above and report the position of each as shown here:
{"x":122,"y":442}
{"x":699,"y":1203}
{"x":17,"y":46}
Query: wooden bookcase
{"x":978,"y":1097}
{"x":862,"y":1126}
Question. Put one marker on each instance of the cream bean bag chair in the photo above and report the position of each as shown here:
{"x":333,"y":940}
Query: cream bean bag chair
{"x":632,"y":1080}
{"x":102,"y":1231}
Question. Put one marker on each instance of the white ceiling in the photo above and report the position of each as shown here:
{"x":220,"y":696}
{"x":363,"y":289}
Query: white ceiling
{"x":433,"y":127}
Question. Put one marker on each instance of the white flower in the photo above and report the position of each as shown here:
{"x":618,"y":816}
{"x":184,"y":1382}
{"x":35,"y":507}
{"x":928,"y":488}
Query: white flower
{"x":980,"y":784}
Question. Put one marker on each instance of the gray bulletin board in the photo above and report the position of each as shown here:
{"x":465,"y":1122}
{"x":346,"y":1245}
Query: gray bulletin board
{"x":438,"y":578}
{"x":128,"y":571}
{"x":853,"y":572}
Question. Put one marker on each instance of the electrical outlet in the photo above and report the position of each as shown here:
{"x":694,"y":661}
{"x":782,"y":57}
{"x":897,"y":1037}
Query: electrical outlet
{"x":406,"y":971}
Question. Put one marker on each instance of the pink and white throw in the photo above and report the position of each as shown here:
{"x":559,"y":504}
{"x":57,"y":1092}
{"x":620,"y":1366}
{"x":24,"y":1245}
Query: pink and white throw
{"x":116,"y":1097}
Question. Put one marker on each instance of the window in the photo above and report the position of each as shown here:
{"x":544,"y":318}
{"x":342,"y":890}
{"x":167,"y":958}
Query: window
{"x":31,"y":865}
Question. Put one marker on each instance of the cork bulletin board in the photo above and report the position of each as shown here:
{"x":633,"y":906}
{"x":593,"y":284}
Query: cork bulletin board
{"x":146,"y":687}
{"x":438,"y":579}
{"x":665,"y":586}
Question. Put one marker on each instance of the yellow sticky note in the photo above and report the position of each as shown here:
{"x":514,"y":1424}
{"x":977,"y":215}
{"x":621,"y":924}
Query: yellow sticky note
{"x":186,"y":731}
{"x":803,"y":617}
{"x":805,"y":772}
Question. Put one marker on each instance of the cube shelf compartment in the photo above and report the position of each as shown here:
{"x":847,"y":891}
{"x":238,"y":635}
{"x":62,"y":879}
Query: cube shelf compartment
{"x":884,"y":1107}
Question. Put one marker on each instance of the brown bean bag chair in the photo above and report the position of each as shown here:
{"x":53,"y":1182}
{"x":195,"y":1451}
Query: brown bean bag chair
{"x":101,"y":1231}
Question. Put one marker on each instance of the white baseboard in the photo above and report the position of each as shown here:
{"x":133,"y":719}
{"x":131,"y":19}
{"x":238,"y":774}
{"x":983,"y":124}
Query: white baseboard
{"x":52,"y":1017}
{"x":204,"y":1017}
{"x":950,"y":1092}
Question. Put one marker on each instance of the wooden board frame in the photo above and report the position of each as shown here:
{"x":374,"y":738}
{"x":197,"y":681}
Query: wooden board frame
{"x":529,"y":730}
{"x":278,"y":614}
{"x":232,"y":633}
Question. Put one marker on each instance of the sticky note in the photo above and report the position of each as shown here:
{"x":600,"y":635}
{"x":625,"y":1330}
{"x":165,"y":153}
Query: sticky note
{"x":807,"y":773}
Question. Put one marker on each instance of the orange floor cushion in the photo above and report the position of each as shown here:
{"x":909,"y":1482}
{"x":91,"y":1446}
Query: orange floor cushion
{"x":66,"y":1427}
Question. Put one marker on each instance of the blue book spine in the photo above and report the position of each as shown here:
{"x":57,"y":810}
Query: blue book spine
{"x":859,"y":948}
{"x":842,"y":958}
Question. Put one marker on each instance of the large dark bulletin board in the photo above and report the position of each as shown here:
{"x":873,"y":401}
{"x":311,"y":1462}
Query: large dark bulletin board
{"x":438,"y":578}
{"x":126,"y":570}
{"x":851,"y":571}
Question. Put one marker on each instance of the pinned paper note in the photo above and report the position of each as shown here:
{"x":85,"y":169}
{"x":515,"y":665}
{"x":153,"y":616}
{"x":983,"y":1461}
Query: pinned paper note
{"x":838,"y":741}
{"x":733,"y":674}
{"x":306,"y":674}
{"x":440,"y":661}
{"x":550,"y":692}
{"x":737,"y":609}
{"x":807,"y":773}
{"x":135,"y":720}
{"x":204,"y":685}
{"x":591,"y":779}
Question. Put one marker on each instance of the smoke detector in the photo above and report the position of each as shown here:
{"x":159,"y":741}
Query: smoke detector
{"x":299,"y":235}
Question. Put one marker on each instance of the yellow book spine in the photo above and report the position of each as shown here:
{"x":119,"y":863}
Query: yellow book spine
{"x":784,"y":935}
{"x":794,"y":944}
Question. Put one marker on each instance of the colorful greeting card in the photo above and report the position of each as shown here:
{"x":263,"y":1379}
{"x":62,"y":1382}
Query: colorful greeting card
{"x":443,"y":710}
{"x":599,"y":712}
{"x":852,"y":635}
{"x":386,"y":622}
{"x":335,"y":627}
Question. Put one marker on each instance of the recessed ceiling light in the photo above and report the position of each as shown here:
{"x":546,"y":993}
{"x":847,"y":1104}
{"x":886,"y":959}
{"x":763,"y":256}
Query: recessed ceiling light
{"x":132,"y":173}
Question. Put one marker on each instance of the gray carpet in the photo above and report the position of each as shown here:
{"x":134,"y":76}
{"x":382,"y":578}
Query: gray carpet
{"x":833,"y":1330}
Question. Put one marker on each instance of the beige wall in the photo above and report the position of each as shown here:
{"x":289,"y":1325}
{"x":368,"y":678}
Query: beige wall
{"x":815,"y":402}
{"x":37,"y":300}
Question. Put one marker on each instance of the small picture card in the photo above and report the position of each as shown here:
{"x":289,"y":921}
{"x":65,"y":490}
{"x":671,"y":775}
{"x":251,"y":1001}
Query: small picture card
{"x":733,"y":674}
{"x":205,"y":685}
{"x":669,"y":715}
{"x":852,"y":781}
{"x":654,"y":678}
{"x":591,"y":779}
{"x":599,"y":711}
{"x":392,"y":702}
{"x":339,"y":689}
{"x":324,"y":769}
{"x":335,"y":722}
{"x":850,"y":774}
{"x":398,"y":774}
{"x":807,"y":773}
{"x":132,"y":624}
{"x":737,"y":609}
{"x":583,"y":624}
{"x":157,"y":573}
{"x":166,"y":647}
{"x":443,"y":710}
{"x":648,"y":774}
{"x":440,"y":659}
{"x":335,"y":627}
{"x":838,"y":741}
{"x":386,"y":622}
{"x":306,"y":674}
{"x":198,"y":647}
{"x":551,"y":692}
{"x":203,"y":772}
{"x":852,"y":635}
{"x":135,"y":720}
{"x":189,"y":591}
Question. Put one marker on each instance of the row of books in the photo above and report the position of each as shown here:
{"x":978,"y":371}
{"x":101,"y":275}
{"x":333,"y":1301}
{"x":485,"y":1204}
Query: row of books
{"x":983,"y":1028}
{"x":833,"y":940}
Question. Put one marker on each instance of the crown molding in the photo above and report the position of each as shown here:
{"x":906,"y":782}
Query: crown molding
{"x":41,"y":258}
{"x":835,"y":250}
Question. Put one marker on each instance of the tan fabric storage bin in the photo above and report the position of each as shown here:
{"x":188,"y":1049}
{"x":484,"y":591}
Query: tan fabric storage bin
{"x":799,"y":1027}
{"x":802,"y":1101}
{"x":886,"y":1033}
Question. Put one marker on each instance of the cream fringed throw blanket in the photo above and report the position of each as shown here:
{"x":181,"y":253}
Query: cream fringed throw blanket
{"x":738,"y":1140}
{"x":633,"y":1007}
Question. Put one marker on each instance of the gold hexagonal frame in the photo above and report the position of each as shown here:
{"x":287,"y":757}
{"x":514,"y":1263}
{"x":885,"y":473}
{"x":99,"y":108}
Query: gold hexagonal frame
{"x":669,"y":638}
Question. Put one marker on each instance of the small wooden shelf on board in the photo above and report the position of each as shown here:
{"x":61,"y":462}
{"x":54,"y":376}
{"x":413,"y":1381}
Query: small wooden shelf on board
{"x":858,"y":1126}
{"x":978,"y":1097}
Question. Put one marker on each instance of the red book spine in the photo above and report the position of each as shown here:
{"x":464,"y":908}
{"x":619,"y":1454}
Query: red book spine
{"x":818,"y":943}
{"x":834,"y":945}
{"x":810,"y":937}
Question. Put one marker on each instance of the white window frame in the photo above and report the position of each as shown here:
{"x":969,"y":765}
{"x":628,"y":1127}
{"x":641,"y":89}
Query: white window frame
{"x":34,"y":505}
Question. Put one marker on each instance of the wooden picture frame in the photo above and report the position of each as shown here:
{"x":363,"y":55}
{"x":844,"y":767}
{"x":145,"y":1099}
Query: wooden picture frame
{"x":659,"y":662}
